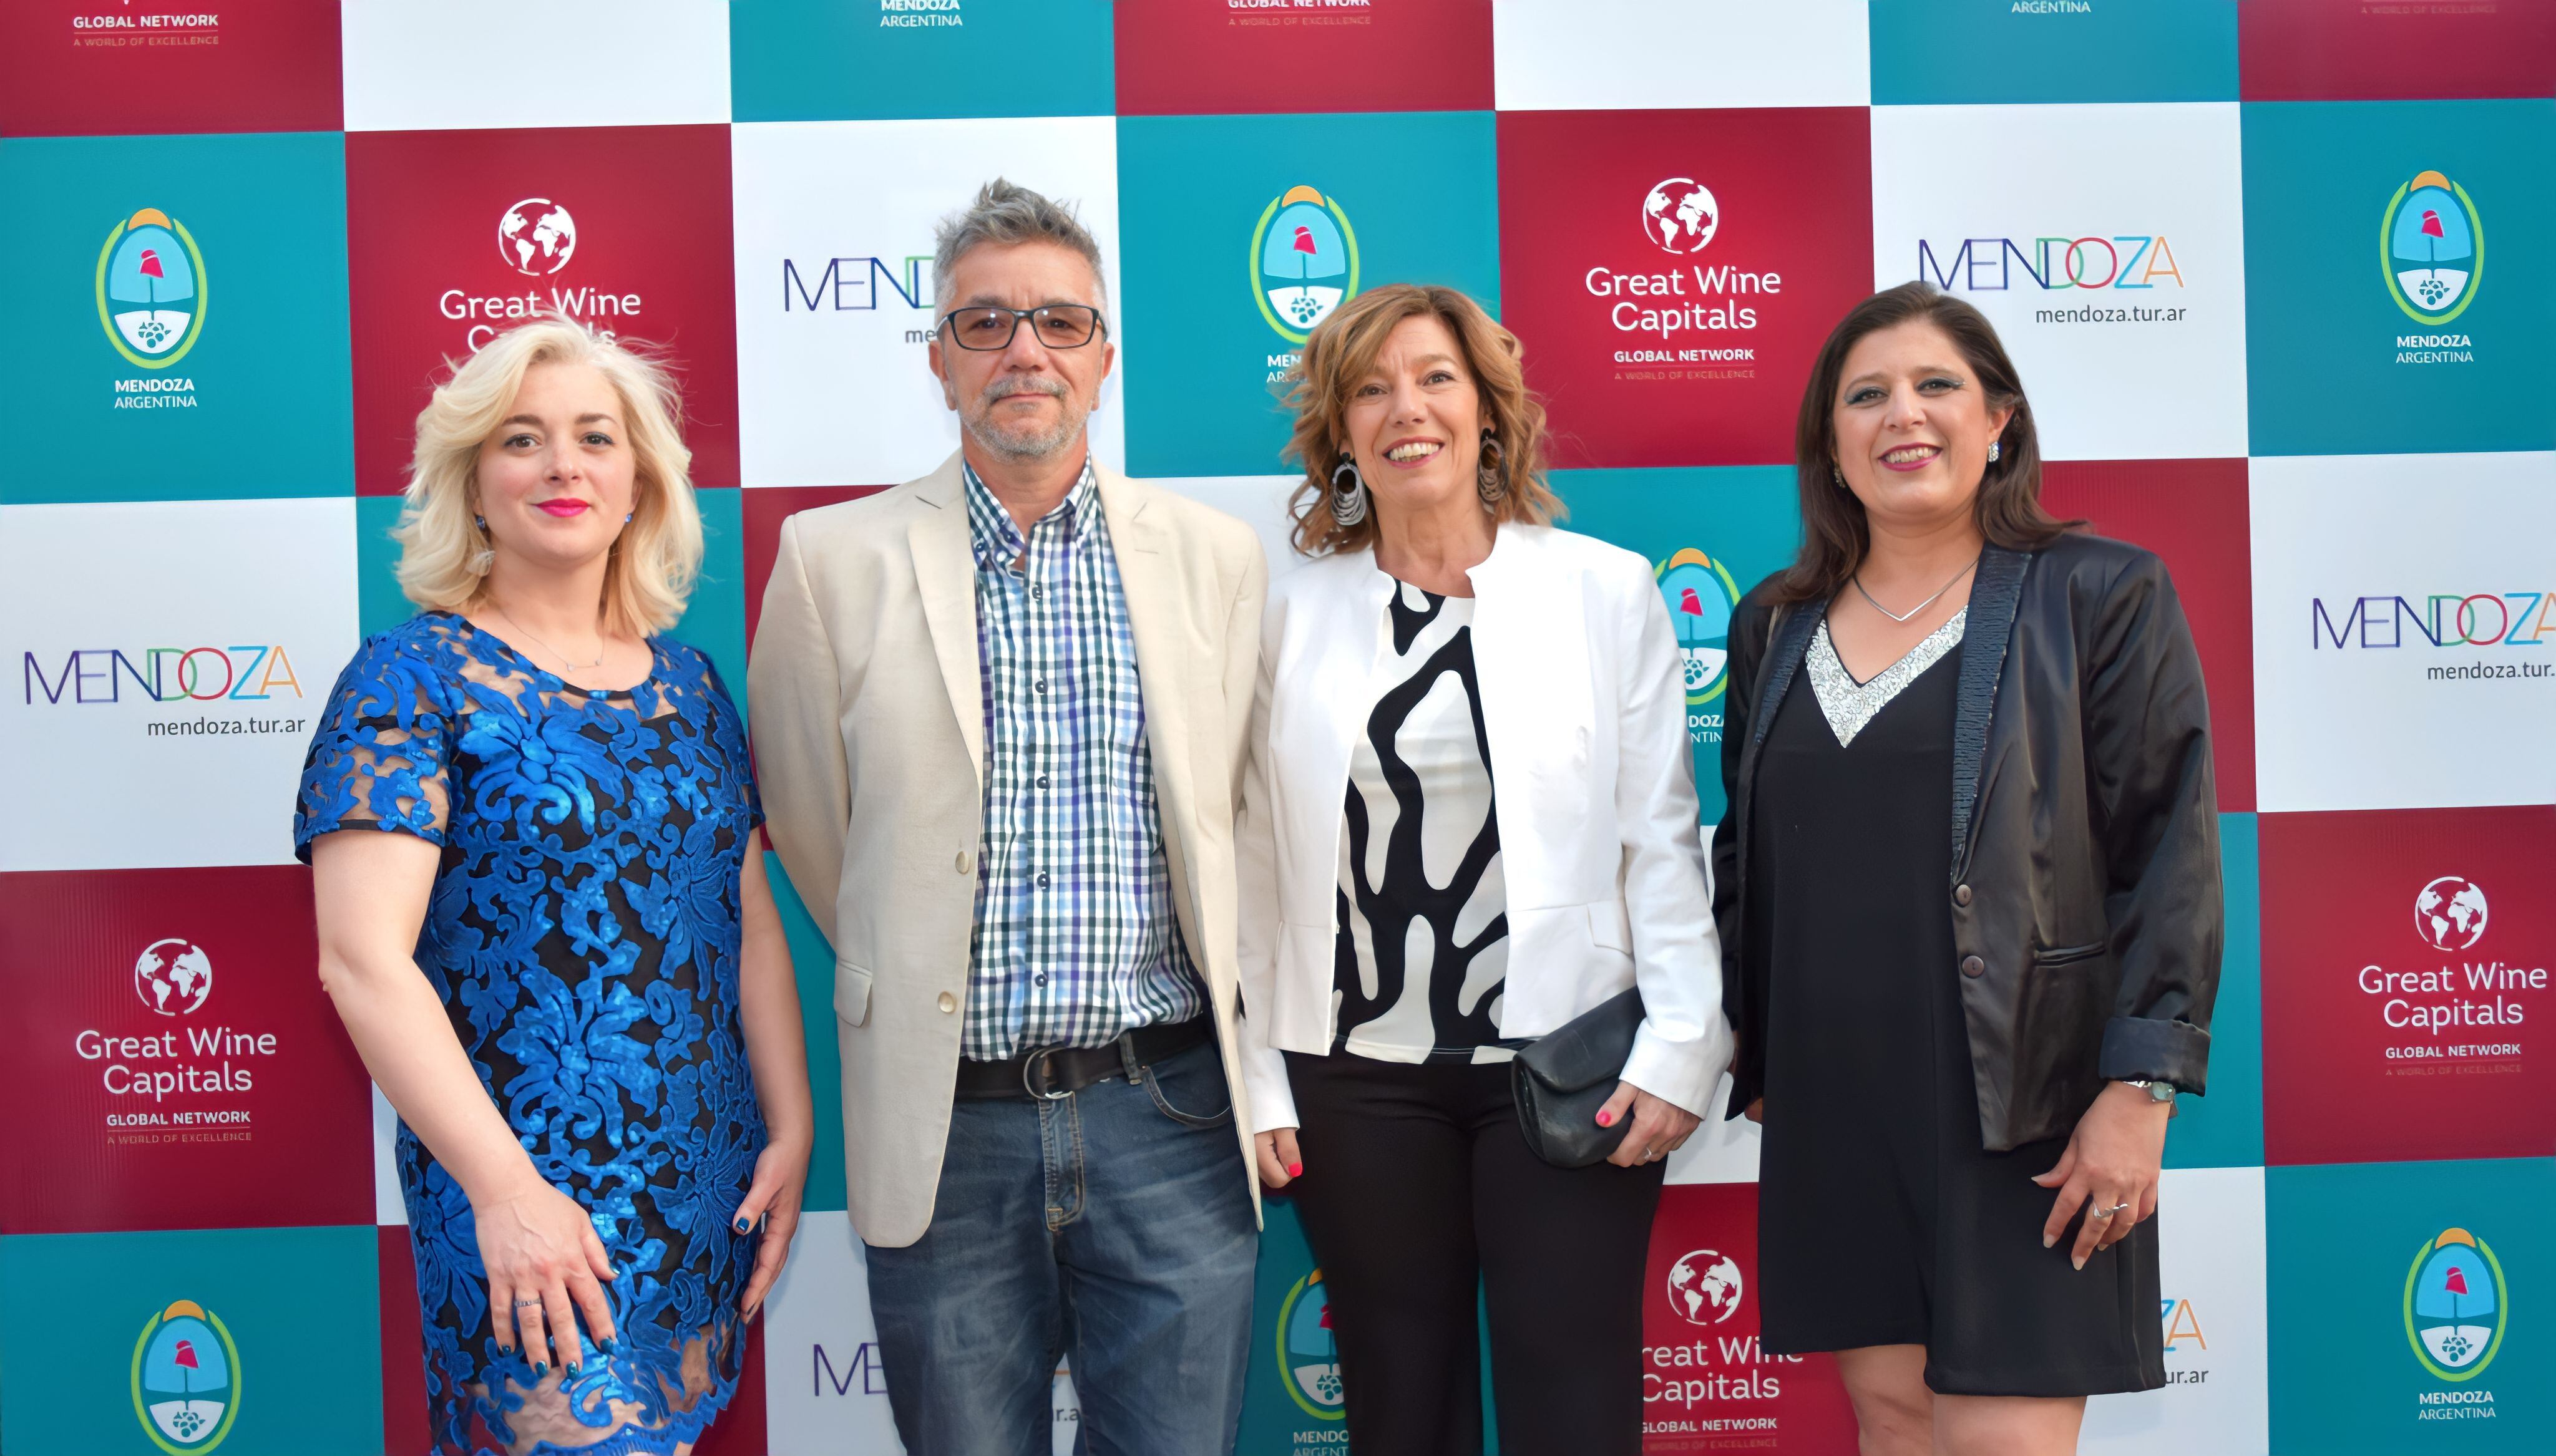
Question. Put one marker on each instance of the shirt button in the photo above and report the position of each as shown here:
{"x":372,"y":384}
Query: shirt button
{"x":1042,"y":780}
{"x":966,"y":862}
{"x":1972,"y":965}
{"x":1039,"y":685}
{"x":1042,"y":879}
{"x":948,"y":1003}
{"x":1037,"y":592}
{"x":1961,"y":894}
{"x":1040,"y":978}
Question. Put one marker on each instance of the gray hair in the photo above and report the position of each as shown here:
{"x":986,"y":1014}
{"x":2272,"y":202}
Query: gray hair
{"x":1005,"y":213}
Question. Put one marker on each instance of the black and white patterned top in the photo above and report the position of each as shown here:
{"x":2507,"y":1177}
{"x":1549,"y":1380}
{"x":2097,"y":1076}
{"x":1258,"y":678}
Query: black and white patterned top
{"x":1422,"y":946}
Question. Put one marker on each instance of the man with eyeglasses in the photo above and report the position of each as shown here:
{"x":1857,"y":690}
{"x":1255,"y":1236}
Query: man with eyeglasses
{"x":999,"y":714}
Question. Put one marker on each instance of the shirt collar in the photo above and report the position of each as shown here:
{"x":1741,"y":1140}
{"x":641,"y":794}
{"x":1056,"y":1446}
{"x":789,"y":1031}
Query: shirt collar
{"x":994,"y":538}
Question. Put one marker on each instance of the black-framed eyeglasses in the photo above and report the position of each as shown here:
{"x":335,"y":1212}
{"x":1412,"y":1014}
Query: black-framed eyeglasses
{"x":989,"y":326}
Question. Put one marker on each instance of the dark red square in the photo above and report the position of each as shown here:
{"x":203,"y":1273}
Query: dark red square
{"x":83,"y":68}
{"x":453,"y":236}
{"x":2195,"y":514}
{"x":1222,"y":58}
{"x":2324,"y":51}
{"x":406,"y":1429}
{"x":1680,"y":351}
{"x":1705,"y":1377}
{"x":2400,"y":1025}
{"x":185,"y":1006}
{"x":766,"y":507}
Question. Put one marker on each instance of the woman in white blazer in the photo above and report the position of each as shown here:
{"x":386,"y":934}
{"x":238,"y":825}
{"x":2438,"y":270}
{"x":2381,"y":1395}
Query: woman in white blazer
{"x":1469,"y":816}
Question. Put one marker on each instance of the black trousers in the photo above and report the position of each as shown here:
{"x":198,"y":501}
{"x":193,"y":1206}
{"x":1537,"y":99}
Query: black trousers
{"x":1417,"y":1184}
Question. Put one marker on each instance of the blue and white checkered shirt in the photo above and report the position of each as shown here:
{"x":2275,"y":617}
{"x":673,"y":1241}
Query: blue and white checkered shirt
{"x":1074,"y":939}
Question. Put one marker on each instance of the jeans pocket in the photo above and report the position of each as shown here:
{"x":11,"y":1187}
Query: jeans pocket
{"x":1162,"y":1099}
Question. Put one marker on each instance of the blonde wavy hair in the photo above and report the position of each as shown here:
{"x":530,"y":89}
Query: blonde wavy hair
{"x":444,"y":555}
{"x":1341,"y":351}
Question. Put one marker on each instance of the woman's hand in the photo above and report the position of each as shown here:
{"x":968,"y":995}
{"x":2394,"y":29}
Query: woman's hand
{"x":780,"y":1183}
{"x":1659,"y":1127}
{"x":544,"y":1266}
{"x":1280,"y":1163}
{"x":2112,"y":1160}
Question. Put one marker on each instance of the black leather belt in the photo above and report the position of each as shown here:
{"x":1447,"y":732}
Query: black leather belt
{"x":1049,"y":1074}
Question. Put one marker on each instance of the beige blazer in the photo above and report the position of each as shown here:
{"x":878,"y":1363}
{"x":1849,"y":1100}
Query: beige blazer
{"x":868,"y":723}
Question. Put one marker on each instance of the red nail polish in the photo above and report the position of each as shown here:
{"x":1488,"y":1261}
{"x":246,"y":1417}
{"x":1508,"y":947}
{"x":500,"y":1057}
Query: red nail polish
{"x":1605,"y":1119}
{"x":1295,"y":1169}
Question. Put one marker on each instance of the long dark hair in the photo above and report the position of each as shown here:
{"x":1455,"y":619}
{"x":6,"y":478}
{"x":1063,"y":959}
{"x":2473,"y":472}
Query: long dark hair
{"x":1834,"y":535}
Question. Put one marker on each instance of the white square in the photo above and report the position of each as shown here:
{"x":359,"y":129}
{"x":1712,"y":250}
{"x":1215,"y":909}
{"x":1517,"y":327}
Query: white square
{"x":2106,"y":243}
{"x":450,"y":64}
{"x":834,"y":225}
{"x":1626,"y":55}
{"x":2369,"y":570}
{"x":2210,"y":1232}
{"x":171,"y":658}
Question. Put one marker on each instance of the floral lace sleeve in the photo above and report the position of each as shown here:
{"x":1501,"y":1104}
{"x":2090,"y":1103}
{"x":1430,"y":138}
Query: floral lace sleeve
{"x":382,"y":752}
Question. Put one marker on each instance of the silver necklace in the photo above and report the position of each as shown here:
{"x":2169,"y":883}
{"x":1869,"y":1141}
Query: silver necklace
{"x":1921,"y":606}
{"x":603,"y":642}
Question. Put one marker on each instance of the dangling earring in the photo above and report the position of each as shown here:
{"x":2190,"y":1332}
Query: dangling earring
{"x":1995,"y":448}
{"x":1348,"y":502}
{"x":1838,"y":476}
{"x":1492,"y":479}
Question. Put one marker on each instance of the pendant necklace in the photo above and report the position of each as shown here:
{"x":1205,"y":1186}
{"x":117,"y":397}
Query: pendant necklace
{"x":606,"y":644}
{"x":1912,"y":611}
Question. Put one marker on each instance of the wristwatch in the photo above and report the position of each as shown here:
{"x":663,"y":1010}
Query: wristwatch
{"x":2157,"y":1091}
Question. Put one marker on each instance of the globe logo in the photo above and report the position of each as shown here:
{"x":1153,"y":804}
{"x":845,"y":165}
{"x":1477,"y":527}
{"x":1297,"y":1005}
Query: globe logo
{"x":1309,"y":1363}
{"x":2450,"y":913}
{"x":2431,"y":248}
{"x":150,"y":289}
{"x":1679,"y":215}
{"x":173,"y":976}
{"x":186,"y":1378}
{"x":1705,"y":1287}
{"x":1304,"y":261}
{"x":1700,"y":593}
{"x":2454,"y":1306}
{"x":537,"y":237}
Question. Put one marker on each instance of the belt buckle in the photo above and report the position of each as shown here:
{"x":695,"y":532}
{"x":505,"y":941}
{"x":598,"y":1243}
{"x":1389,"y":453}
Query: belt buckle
{"x":1042,"y":1061}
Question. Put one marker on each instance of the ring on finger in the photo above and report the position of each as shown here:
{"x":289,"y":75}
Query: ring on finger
{"x":2117,"y":1208}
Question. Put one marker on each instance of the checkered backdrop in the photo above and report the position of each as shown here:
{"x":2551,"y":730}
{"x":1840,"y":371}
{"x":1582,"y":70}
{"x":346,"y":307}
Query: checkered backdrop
{"x":2275,"y":274}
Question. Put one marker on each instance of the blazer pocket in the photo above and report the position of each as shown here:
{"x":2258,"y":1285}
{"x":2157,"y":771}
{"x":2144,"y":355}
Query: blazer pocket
{"x":2070,"y":954}
{"x":851,"y":994}
{"x":1609,"y":925}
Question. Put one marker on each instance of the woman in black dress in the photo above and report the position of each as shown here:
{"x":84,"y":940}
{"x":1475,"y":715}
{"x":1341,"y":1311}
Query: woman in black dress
{"x":1972,"y":869}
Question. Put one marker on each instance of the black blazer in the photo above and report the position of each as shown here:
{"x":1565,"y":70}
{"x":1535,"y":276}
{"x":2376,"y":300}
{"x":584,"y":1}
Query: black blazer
{"x":2085,"y":895}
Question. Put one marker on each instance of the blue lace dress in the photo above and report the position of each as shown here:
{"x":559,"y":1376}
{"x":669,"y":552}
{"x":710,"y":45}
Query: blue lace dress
{"x":583,"y":936}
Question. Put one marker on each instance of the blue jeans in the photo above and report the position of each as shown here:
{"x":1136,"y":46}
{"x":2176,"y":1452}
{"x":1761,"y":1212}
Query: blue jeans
{"x":1111,"y":1227}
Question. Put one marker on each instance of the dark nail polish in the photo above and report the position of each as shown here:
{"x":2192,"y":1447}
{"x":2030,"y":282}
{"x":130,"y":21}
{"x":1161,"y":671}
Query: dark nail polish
{"x":607,"y":1346}
{"x":505,"y":1349}
{"x":742,"y":1224}
{"x":570,"y":1368}
{"x":541,"y":1368}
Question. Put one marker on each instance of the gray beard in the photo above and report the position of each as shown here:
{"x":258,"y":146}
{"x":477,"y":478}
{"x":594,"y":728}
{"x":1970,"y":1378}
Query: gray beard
{"x":1022,"y":446}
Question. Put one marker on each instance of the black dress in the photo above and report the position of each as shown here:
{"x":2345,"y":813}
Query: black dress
{"x":1882,"y":1219}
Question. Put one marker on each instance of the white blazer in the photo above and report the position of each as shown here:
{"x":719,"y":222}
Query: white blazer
{"x":1593,"y":783}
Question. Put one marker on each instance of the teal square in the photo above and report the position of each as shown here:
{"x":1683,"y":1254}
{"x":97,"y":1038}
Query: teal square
{"x":1709,"y":529}
{"x":298,"y":1308}
{"x":2226,"y":1128}
{"x":827,"y":60}
{"x":380,"y":605}
{"x":2335,"y":363}
{"x":1205,"y":359}
{"x":714,"y":616}
{"x":1993,"y":51}
{"x":2342,"y":1243}
{"x":256,"y":400}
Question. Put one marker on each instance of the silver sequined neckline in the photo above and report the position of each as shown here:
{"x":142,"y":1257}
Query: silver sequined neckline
{"x":1849,"y":705}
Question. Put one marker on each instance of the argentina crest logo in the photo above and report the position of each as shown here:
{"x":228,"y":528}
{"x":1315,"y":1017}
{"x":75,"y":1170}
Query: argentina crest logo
{"x":2431,"y":246}
{"x":1309,"y":1363}
{"x":150,"y":289}
{"x":2455,"y":1305}
{"x":186,"y":1378}
{"x":1701,"y":594}
{"x":1304,"y":261}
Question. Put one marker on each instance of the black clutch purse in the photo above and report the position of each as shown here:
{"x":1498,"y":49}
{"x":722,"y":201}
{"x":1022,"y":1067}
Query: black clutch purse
{"x":1564,"y":1076}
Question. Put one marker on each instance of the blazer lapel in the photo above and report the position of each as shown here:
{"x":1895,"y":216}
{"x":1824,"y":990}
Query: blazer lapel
{"x":1994,"y":594}
{"x":946,"y":573}
{"x":1158,"y":616}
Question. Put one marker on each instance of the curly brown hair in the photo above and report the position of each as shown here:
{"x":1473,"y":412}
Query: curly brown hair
{"x":1343,"y":349}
